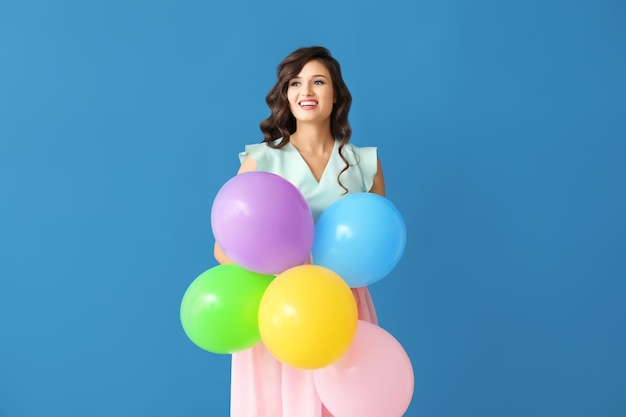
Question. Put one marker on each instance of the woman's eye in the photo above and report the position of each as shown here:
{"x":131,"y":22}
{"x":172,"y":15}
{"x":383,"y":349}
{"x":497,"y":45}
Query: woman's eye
{"x":318,"y":82}
{"x":294,"y":84}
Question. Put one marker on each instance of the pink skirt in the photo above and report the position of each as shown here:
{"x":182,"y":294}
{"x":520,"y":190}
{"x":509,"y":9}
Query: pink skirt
{"x":261,"y":386}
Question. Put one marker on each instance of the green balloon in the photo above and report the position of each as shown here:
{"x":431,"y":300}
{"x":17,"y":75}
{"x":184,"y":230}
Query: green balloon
{"x":219,"y":311}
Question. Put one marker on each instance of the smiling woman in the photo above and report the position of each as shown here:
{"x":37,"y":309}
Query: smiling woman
{"x":306,"y":141}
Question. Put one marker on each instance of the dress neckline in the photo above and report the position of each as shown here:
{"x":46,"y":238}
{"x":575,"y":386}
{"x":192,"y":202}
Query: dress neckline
{"x":308,"y":168}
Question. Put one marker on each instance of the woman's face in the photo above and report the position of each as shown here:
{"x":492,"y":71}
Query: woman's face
{"x":310,"y":93}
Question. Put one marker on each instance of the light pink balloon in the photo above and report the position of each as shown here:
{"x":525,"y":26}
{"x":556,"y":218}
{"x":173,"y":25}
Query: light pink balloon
{"x":374,"y":378}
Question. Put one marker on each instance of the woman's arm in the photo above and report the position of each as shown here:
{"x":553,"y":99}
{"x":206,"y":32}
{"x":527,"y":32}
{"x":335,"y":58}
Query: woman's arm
{"x":247,"y":165}
{"x":379,"y":181}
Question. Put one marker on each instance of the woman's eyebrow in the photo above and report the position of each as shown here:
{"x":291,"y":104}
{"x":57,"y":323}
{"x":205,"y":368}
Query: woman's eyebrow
{"x":314,"y":75}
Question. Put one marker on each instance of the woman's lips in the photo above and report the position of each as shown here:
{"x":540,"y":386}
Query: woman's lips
{"x":308,"y":104}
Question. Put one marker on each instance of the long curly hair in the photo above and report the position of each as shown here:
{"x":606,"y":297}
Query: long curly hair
{"x":281,"y":123}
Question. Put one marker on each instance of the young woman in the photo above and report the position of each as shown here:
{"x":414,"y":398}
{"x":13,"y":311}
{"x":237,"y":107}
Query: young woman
{"x":306,"y":141}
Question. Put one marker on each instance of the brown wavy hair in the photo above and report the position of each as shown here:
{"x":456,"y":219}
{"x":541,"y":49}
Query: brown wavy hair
{"x":281,"y":123}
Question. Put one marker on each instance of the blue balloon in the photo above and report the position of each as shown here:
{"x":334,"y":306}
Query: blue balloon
{"x":361,"y":237}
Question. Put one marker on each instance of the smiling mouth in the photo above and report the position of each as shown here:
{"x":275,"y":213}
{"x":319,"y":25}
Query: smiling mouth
{"x":308,"y":103}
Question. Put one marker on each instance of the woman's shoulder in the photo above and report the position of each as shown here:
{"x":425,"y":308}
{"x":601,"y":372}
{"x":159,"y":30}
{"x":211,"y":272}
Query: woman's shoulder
{"x":261,"y":152}
{"x":265,"y":145}
{"x":355,"y":153}
{"x":363,"y":161}
{"x":357,"y":148}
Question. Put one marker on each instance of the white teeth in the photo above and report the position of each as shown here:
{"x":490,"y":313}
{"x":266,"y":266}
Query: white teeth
{"x":308,"y":103}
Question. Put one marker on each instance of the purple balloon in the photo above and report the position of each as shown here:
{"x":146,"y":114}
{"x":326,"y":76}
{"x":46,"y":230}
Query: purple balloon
{"x":262,"y":222}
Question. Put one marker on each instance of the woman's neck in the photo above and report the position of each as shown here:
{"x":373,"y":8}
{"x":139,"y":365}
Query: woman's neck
{"x":312,"y":138}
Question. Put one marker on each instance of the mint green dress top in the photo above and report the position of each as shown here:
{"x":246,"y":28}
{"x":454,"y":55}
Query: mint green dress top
{"x":289,"y":164}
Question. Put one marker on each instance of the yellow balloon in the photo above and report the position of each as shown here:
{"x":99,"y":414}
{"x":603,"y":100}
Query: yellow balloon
{"x":308,"y":317}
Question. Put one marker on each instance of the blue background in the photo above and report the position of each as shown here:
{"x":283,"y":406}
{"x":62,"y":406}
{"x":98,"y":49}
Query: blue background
{"x":501,"y":127}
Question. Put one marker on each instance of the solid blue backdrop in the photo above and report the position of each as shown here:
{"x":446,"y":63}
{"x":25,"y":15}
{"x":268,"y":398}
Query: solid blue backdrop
{"x":500,"y":127}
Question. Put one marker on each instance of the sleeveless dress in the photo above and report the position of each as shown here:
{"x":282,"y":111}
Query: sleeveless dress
{"x":262,"y":386}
